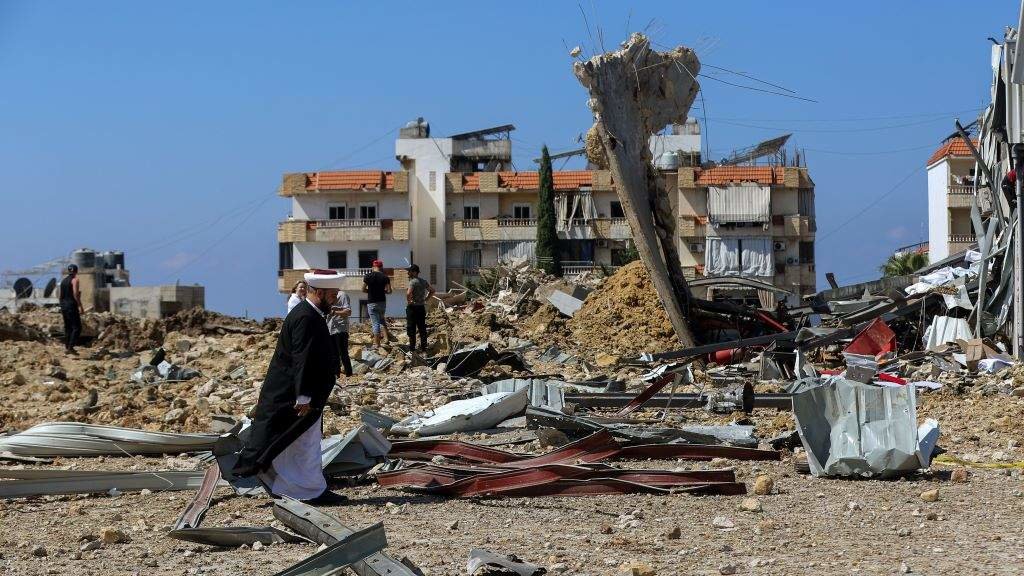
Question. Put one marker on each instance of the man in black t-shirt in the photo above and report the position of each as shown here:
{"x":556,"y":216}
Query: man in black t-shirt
{"x":377,"y":286}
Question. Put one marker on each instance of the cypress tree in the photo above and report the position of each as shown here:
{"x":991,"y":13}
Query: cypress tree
{"x":548,"y":257}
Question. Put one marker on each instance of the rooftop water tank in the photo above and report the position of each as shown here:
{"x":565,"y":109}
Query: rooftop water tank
{"x":83,"y":258}
{"x":667,"y":161}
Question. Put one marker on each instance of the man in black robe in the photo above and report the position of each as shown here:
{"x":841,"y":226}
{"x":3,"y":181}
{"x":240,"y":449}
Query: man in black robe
{"x":283,"y":448}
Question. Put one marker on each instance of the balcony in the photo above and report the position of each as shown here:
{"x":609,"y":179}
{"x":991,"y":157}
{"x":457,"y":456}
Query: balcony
{"x":960,"y":242}
{"x":959,"y":196}
{"x":353,"y":281}
{"x":363,"y":230}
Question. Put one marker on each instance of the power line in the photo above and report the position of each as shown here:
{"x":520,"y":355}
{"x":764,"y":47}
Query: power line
{"x":862,"y":119}
{"x":873,"y":153}
{"x":830,"y":130}
{"x":872,"y":204}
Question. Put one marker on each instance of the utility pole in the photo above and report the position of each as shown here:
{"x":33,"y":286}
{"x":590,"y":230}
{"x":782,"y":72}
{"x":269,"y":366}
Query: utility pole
{"x":1018,"y":251}
{"x":634,"y":92}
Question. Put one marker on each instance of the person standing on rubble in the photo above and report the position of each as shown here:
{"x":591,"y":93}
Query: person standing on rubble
{"x":283,"y":448}
{"x":377,"y":286}
{"x":71,"y":308}
{"x":337,"y":325}
{"x":298,"y":294}
{"x":416,"y":308}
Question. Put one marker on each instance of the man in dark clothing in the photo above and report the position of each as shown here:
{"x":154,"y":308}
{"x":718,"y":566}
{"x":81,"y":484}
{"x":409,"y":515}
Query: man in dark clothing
{"x":416,"y":308}
{"x":71,"y":308}
{"x":283,"y":448}
{"x":377,"y":286}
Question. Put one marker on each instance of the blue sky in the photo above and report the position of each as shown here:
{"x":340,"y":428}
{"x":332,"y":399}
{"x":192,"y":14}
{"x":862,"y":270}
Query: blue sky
{"x":163,"y":129}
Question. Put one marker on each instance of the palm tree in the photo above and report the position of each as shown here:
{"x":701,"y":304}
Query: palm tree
{"x":904,"y":264}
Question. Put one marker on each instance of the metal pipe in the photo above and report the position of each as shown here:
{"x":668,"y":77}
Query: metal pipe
{"x":1018,"y":257}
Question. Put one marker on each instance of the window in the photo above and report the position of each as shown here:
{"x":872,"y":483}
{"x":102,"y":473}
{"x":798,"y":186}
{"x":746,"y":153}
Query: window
{"x":366,"y":258}
{"x":284,"y":256}
{"x":337,"y":259}
{"x":433,"y":273}
{"x":433,"y":181}
{"x":336,"y":212}
{"x":805,"y":202}
{"x":471,"y":260}
{"x":368,"y":211}
{"x":617,"y":211}
{"x":521,"y":211}
{"x":807,"y":252}
{"x":433,"y":227}
{"x":471,"y":212}
{"x":780,"y":268}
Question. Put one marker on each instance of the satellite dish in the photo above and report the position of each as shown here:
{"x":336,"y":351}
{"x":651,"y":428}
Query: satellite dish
{"x":22,"y":288}
{"x":50,"y":286}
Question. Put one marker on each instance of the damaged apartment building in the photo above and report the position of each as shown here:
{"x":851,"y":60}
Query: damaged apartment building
{"x":456,"y":205}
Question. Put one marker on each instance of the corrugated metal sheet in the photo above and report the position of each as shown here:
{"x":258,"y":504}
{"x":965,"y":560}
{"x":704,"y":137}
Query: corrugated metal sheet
{"x":540,"y":392}
{"x":745,"y":202}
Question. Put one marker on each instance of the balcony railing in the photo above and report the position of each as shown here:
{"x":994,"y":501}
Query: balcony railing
{"x":960,"y":189}
{"x":957,"y":238}
{"x":353,"y":223}
{"x":517,"y":222}
{"x":352,"y":272}
{"x":475,"y":223}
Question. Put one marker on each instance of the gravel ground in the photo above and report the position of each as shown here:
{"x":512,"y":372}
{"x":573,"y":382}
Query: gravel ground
{"x":806,"y":526}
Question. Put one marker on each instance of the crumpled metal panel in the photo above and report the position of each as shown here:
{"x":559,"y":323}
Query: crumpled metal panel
{"x":541,"y":392}
{"x":479,"y":413}
{"x":233,"y":536}
{"x":854,"y":429}
{"x":480,"y":559}
{"x":74,"y":439}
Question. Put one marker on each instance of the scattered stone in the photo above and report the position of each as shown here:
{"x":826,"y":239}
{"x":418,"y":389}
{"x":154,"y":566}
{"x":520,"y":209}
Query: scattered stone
{"x":904,"y":569}
{"x":454,"y":526}
{"x":111,"y":535}
{"x":750,"y":505}
{"x":257,"y":546}
{"x":637,"y":568}
{"x":551,"y":438}
{"x":151,"y":563}
{"x":39,"y":551}
{"x":903,"y":532}
{"x":604,"y":360}
{"x":722,"y":523}
{"x":852,"y":506}
{"x":674,"y":534}
{"x":606,"y":529}
{"x":930,"y":495}
{"x":764,"y":485}
{"x":727,"y":569}
{"x":960,"y":476}
{"x":90,"y":545}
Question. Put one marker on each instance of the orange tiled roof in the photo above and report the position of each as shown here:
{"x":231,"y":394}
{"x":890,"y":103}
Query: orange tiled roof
{"x":727,"y":174}
{"x":350,"y":180}
{"x":954,"y":147}
{"x":471,"y":181}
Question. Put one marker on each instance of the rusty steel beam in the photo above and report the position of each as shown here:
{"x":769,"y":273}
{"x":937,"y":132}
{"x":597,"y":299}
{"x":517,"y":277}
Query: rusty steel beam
{"x":693,"y":452}
{"x":427,"y":449}
{"x":195,"y":511}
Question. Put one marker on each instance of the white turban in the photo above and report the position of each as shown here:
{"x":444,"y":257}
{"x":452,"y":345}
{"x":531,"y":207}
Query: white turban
{"x":331,"y":281}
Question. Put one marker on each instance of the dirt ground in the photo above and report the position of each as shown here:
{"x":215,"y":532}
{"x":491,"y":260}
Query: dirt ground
{"x":806,"y":525}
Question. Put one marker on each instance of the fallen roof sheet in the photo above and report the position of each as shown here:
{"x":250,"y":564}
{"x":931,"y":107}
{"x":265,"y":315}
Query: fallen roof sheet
{"x":324,"y":529}
{"x":196,"y":509}
{"x":541,"y":392}
{"x":234,"y":536}
{"x":88,"y":482}
{"x":75,"y":439}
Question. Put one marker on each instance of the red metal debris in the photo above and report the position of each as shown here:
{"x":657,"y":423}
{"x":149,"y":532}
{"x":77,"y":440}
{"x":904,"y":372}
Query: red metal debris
{"x":874,"y":340}
{"x":526,"y":480}
{"x":427,"y":449}
{"x":648,"y":393}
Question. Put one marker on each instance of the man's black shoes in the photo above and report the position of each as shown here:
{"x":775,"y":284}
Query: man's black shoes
{"x":327,"y":498}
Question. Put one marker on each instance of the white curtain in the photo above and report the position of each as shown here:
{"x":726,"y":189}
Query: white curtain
{"x":756,"y":256}
{"x":517,"y":250}
{"x":721,"y":256}
{"x":745,"y":202}
{"x":561,"y":212}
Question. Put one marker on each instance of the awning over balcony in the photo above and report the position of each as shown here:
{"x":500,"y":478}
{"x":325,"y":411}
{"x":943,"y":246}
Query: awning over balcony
{"x":746,"y":202}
